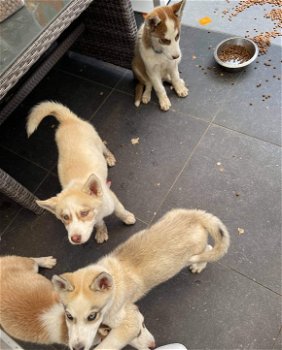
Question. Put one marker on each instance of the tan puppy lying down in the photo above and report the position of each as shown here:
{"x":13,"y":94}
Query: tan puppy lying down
{"x":30,"y":309}
{"x":83,"y":157}
{"x":106,"y":290}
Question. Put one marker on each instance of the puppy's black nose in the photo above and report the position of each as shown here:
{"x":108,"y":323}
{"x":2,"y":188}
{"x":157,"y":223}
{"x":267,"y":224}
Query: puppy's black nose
{"x":175,"y":57}
{"x":76,"y":238}
{"x":78,"y":346}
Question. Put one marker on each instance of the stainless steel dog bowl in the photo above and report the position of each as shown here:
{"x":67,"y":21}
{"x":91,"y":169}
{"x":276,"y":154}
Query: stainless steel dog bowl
{"x":248,"y":44}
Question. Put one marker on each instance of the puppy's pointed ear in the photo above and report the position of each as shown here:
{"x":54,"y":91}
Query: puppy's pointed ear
{"x":93,"y":186}
{"x":152,"y":21}
{"x":62,"y":284}
{"x":49,"y":204}
{"x":102,"y":282}
{"x":178,"y":8}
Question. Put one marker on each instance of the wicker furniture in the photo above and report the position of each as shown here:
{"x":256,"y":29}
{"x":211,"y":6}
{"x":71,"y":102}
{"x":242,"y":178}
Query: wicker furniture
{"x":105,"y":30}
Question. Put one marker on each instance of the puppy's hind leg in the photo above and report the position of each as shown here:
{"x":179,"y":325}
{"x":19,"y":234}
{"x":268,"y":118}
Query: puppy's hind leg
{"x":110,"y":158}
{"x":126,"y":216}
{"x":199,"y":267}
{"x":48,"y":262}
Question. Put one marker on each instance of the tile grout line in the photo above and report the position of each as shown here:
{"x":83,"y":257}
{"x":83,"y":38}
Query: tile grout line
{"x":24,"y":158}
{"x":172,"y":110}
{"x":89,"y":80}
{"x":184,"y":166}
{"x":106,"y":98}
{"x":275,"y":341}
{"x":249,"y":278}
{"x":22,"y":208}
{"x":244,"y":134}
{"x":11,"y":222}
{"x":181,"y":171}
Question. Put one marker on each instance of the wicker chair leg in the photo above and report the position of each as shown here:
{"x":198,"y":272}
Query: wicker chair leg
{"x":14,"y":190}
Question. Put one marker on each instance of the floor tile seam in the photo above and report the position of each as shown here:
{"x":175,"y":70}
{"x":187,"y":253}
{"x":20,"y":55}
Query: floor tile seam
{"x":127,"y":93}
{"x":43,"y":180}
{"x":24,"y":158}
{"x":106,"y":98}
{"x":191,"y":116}
{"x":142,"y":221}
{"x":21,"y":208}
{"x":10,"y":223}
{"x":84,"y":78}
{"x":226,"y":97}
{"x":170,"y":110}
{"x":276,"y":338}
{"x":245,"y":134}
{"x":249,"y":278}
{"x":181,"y":171}
{"x":100,"y":105}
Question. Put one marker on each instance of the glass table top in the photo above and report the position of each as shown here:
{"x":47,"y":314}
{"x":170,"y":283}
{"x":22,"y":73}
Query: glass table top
{"x":21,"y":29}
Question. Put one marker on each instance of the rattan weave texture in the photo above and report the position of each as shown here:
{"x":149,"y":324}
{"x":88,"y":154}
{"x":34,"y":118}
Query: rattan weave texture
{"x":18,"y":192}
{"x":12,"y":75}
{"x":110,"y":32}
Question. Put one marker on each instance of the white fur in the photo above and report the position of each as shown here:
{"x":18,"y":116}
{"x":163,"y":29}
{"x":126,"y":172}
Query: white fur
{"x":161,"y":63}
{"x":82,"y":168}
{"x":50,"y":321}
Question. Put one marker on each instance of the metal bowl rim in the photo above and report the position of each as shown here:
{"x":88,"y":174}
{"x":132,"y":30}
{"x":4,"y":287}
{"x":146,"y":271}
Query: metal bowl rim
{"x":240,"y":65}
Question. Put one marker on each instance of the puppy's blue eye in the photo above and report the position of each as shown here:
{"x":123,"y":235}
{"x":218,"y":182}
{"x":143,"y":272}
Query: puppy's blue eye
{"x":69,"y":316}
{"x":92,"y":316}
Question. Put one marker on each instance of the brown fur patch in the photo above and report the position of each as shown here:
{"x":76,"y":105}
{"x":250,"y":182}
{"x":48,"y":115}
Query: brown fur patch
{"x":162,"y":13}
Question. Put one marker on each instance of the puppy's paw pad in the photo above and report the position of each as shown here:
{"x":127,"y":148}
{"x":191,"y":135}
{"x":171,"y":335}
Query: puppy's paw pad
{"x":101,"y":236}
{"x":48,"y":262}
{"x":111,"y":160}
{"x":165,"y":103}
{"x":129,"y":219}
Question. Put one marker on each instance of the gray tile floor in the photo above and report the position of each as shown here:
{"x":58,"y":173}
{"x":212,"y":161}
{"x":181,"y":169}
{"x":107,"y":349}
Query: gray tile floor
{"x":212,"y":150}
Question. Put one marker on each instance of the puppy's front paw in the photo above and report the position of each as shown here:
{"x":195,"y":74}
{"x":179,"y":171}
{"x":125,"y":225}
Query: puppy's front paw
{"x":164,"y":103}
{"x":181,"y":89}
{"x":146,"y":98}
{"x":48,"y":262}
{"x":129,"y":218}
{"x":111,"y":160}
{"x":101,"y":234}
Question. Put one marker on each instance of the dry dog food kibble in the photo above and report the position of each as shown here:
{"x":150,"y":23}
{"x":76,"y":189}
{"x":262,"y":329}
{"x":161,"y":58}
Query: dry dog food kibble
{"x":234,"y":54}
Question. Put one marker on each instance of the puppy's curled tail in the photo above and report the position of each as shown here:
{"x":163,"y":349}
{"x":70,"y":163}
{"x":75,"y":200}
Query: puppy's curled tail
{"x":42,"y":110}
{"x":138,"y":94}
{"x":219,"y":234}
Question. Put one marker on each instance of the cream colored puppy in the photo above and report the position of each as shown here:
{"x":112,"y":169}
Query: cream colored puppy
{"x":105,"y":292}
{"x":157,"y":55}
{"x":30,"y":309}
{"x":83,"y":157}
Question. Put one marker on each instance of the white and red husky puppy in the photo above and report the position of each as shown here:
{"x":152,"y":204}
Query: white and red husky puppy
{"x":30,"y":309}
{"x":106,"y":291}
{"x":83,"y":157}
{"x":157,"y":55}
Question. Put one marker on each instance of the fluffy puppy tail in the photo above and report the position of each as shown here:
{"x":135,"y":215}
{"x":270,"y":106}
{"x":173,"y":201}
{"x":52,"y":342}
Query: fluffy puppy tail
{"x":219,"y":234}
{"x":138,"y":94}
{"x":42,"y":110}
